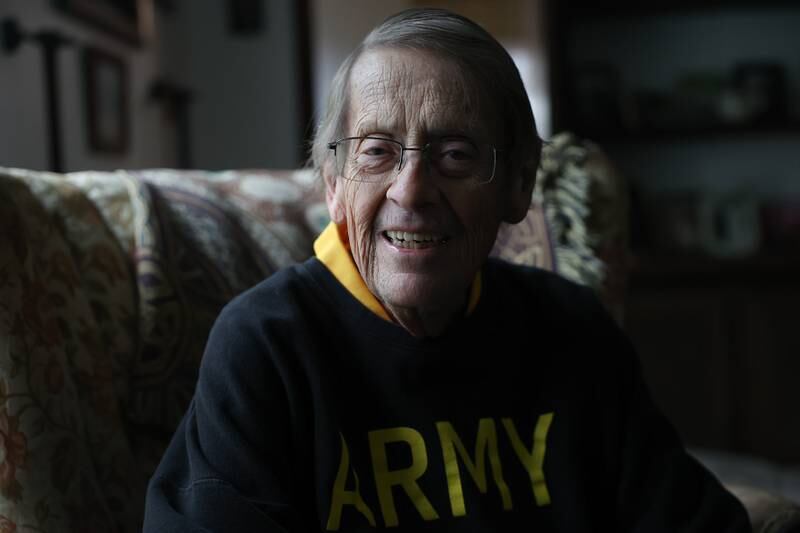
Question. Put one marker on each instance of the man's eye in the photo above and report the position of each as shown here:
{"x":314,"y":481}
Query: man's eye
{"x":374,"y":148}
{"x":457,"y":154}
{"x":458,"y":151}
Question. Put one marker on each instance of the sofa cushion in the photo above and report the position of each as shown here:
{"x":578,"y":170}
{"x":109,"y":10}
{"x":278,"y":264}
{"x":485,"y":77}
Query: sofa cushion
{"x":194,"y":240}
{"x":66,"y":309}
{"x":110,"y":284}
{"x":577,"y":225}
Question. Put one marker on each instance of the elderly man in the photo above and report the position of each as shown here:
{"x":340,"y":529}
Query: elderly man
{"x":400,"y":379}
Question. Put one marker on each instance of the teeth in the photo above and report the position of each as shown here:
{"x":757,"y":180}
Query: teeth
{"x":413,"y":240}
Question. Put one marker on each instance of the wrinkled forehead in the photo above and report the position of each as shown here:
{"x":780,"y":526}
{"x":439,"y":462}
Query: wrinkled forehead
{"x":414,"y":94}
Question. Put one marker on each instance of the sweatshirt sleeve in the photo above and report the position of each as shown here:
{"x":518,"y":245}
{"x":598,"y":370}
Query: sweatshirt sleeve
{"x":229,"y":463}
{"x":661,"y":487}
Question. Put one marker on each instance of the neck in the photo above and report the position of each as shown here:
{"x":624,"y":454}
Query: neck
{"x":424,"y":321}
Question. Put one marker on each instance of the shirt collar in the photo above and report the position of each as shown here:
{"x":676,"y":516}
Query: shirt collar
{"x":332,"y":248}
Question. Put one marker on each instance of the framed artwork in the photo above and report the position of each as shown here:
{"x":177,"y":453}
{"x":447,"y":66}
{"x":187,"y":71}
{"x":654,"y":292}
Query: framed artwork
{"x":127,"y":20}
{"x":106,"y":101}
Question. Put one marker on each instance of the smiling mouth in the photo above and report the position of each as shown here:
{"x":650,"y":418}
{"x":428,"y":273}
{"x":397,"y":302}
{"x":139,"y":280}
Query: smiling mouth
{"x":414,"y":241}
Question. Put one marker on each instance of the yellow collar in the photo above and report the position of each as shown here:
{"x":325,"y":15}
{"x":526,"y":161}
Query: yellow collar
{"x":333,"y":250}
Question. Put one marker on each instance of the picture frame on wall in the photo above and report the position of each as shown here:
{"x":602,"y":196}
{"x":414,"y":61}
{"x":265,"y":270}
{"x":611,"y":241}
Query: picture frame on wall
{"x":106,"y":101}
{"x":127,"y":20}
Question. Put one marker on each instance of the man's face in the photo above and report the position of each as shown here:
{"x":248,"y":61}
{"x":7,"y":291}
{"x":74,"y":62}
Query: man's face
{"x":414,"y":97}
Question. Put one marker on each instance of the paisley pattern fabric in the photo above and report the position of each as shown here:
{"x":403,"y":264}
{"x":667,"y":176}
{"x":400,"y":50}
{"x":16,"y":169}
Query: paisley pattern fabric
{"x":585,"y":200}
{"x":66,"y":320}
{"x":109,"y":285}
{"x":577,"y":223}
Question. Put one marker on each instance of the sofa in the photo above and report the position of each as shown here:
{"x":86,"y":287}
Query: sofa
{"x":110,"y":282}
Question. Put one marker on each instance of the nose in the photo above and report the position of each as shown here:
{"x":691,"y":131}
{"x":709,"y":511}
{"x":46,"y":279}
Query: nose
{"x":413,"y":186}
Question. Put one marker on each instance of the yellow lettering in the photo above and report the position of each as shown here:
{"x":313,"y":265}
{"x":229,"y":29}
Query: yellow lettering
{"x":451,"y":443}
{"x":342,"y":496}
{"x":534,"y":460}
{"x":385,"y":479}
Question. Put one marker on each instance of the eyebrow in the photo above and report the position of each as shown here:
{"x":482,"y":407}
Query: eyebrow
{"x":369,"y":132}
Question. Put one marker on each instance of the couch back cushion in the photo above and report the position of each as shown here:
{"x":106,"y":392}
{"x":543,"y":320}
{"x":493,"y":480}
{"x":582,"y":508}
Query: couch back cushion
{"x":68,"y":336}
{"x":109,"y":284}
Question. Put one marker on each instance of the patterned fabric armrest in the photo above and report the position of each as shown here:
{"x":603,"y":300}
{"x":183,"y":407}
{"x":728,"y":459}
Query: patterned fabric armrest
{"x":109,"y":284}
{"x":577,"y":224}
{"x":66,"y":335}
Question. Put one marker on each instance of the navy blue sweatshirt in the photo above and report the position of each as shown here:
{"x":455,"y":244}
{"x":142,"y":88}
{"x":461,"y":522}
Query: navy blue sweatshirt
{"x":311,"y":413}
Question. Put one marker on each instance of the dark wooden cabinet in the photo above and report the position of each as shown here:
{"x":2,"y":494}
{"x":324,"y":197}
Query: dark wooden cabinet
{"x":770,"y":371}
{"x":681,"y":338}
{"x":720,"y":347}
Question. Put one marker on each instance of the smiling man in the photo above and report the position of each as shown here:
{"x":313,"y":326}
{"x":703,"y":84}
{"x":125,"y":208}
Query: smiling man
{"x":420,"y":219}
{"x":401,"y":379}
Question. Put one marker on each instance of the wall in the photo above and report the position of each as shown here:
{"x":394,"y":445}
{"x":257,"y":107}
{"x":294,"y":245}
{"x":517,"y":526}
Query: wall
{"x":246,"y":104}
{"x":23,"y":128}
{"x":245,"y":109}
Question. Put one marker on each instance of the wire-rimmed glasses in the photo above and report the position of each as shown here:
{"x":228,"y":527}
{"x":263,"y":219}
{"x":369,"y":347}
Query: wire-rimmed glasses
{"x":374,"y":159}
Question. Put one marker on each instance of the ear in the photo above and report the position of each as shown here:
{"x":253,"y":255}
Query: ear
{"x":333,"y":194}
{"x":519,"y":193}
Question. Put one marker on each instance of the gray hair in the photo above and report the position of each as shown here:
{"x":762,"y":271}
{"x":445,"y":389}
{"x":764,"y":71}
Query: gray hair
{"x":469,"y":45}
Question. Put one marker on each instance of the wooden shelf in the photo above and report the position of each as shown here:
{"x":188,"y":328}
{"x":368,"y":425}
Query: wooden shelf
{"x":761,"y":269}
{"x":619,"y":9}
{"x":766,"y":132}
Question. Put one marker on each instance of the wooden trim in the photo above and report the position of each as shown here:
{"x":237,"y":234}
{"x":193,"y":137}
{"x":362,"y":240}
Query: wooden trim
{"x":304,"y":36}
{"x":104,"y":16}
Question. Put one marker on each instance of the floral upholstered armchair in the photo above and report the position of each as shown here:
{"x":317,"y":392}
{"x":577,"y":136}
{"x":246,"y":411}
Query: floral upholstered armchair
{"x":110,"y":282}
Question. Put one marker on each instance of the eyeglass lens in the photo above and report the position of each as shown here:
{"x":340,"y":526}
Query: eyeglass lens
{"x":374,"y":158}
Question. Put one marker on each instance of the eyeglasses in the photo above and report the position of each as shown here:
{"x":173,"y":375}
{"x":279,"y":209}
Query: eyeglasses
{"x":375,"y":159}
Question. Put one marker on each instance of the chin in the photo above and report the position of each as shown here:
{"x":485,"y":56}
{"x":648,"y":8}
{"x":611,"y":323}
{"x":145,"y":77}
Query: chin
{"x":421,"y":293}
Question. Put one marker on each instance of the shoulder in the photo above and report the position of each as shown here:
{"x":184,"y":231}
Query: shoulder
{"x":279,"y":297}
{"x":266,"y":319}
{"x":537,"y":289}
{"x":557,"y":315}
